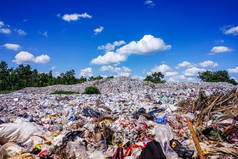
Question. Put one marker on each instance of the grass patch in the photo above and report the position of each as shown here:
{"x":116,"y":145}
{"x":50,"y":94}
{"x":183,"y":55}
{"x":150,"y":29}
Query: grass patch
{"x":5,"y":92}
{"x":64,"y":92}
{"x":91,"y":90}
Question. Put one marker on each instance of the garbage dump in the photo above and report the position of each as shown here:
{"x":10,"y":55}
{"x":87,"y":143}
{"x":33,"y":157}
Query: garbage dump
{"x":130,"y":119}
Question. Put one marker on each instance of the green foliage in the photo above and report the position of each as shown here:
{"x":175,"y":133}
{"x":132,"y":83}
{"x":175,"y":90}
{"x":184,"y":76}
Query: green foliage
{"x":64,"y":92}
{"x":110,"y":77}
{"x":217,"y":76}
{"x":155,"y":78}
{"x":95,"y":78}
{"x":24,"y":76}
{"x":91,"y":90}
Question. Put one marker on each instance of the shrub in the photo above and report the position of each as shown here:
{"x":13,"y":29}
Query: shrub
{"x":91,"y":90}
{"x":64,"y":92}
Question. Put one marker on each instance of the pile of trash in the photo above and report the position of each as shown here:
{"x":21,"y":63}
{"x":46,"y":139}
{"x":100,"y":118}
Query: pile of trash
{"x":131,"y":119}
{"x":216,"y":119}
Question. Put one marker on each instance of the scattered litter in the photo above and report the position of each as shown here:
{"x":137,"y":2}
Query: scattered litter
{"x":130,"y":119}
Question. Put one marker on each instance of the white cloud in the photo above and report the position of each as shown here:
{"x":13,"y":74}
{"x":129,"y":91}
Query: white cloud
{"x":233,"y":70}
{"x":149,"y":3}
{"x":111,"y":47}
{"x":108,"y":58}
{"x":1,"y":24}
{"x":220,"y":49}
{"x":42,"y":59}
{"x":232,"y":30}
{"x":98,"y":30}
{"x":21,"y":32}
{"x":75,"y":16}
{"x":161,"y":68}
{"x":5,"y":31}
{"x":177,"y":78}
{"x":12,"y":46}
{"x":86,"y":72}
{"x":26,"y":57}
{"x":147,"y":45}
{"x":184,"y":64}
{"x":193,"y":71}
{"x":168,"y":74}
{"x":209,"y":63}
{"x":120,"y":71}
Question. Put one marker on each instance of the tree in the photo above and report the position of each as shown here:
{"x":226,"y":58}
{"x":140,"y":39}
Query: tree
{"x":155,"y":78}
{"x":217,"y":76}
{"x":95,"y":78}
{"x":4,"y":75}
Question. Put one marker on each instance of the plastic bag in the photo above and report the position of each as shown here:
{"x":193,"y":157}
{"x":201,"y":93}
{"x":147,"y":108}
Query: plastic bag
{"x":163,"y":136}
{"x":21,"y":132}
{"x":11,"y":149}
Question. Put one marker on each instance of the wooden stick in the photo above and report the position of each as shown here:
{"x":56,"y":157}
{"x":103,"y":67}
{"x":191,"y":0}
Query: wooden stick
{"x":195,"y":139}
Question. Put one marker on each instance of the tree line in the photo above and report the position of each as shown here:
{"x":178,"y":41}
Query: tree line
{"x":24,"y":76}
{"x":206,"y":76}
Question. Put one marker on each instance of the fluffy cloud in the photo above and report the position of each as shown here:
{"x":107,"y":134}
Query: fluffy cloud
{"x":42,"y":59}
{"x":86,"y":72}
{"x":108,"y":58}
{"x":12,"y":46}
{"x":26,"y":57}
{"x":161,"y":68}
{"x":149,"y":3}
{"x":177,"y":78}
{"x":168,"y":74}
{"x":193,"y":71}
{"x":209,"y":63}
{"x":147,"y":45}
{"x":98,"y":30}
{"x":233,"y":70}
{"x":5,"y":31}
{"x":220,"y":49}
{"x":21,"y":32}
{"x":111,"y":47}
{"x":120,"y":71}
{"x":232,"y":30}
{"x":184,"y":64}
{"x":75,"y":16}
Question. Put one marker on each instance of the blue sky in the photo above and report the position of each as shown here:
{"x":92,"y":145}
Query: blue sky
{"x":121,"y":37}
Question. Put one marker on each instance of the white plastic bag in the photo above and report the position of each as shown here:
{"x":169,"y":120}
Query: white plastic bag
{"x":22,"y":132}
{"x":163,"y":136}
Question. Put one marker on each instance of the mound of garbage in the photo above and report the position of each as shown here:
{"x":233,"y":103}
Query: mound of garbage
{"x":130,"y":119}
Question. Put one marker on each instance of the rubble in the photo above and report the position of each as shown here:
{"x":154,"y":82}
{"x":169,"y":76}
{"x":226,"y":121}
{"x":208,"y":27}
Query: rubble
{"x":129,"y":119}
